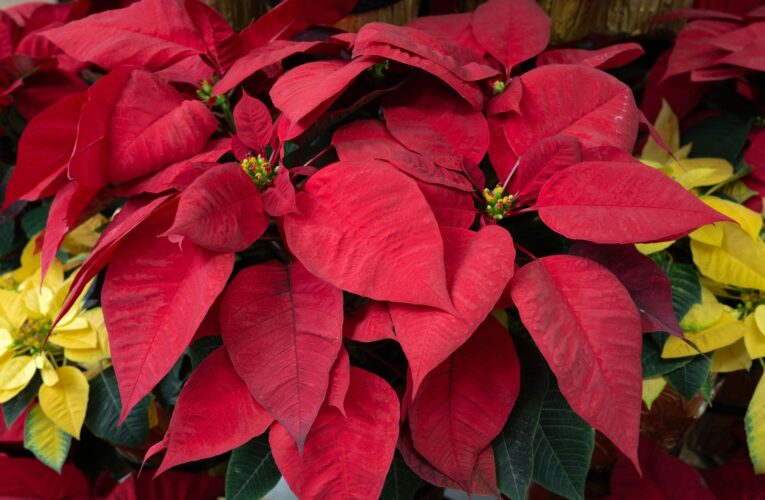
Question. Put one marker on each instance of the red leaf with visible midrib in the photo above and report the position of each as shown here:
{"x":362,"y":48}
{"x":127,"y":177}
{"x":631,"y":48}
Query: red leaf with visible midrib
{"x":253,"y":123}
{"x":646,"y":283}
{"x":221,"y":210}
{"x":478,"y":265}
{"x":132,"y":36}
{"x":511,"y":30}
{"x":450,"y":29}
{"x":452,"y":208}
{"x":482,"y":482}
{"x":609,"y":202}
{"x":344,"y":457}
{"x":279,"y":199}
{"x":44,"y":151}
{"x":283,"y":329}
{"x":587,"y":327}
{"x":363,"y":214}
{"x":369,"y":139}
{"x":215,"y":413}
{"x":154,"y":297}
{"x":463,"y":404}
{"x":603,"y":113}
{"x":433,"y":121}
{"x":542,"y":161}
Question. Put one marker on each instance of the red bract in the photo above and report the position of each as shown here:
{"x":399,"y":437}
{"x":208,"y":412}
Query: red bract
{"x":344,"y":456}
{"x":131,"y":36}
{"x":609,"y":203}
{"x":25,"y":477}
{"x":221,"y":210}
{"x":428,"y":336}
{"x":572,"y":307}
{"x":511,"y":30}
{"x":207,"y":420}
{"x":164,"y":128}
{"x":361,"y":266}
{"x":361,"y":213}
{"x":463,"y":404}
{"x":155,"y":295}
{"x":283,"y":328}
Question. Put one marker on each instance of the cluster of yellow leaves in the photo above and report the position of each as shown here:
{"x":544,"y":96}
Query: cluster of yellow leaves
{"x":730,"y":257}
{"x":28,"y":308}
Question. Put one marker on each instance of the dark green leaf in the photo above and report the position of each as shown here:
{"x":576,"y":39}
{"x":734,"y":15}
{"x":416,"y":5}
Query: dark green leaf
{"x":563,"y":445}
{"x":401,"y":483}
{"x":721,"y":136}
{"x":706,"y":389}
{"x":653,"y":363}
{"x":104,"y":407}
{"x":688,"y":380}
{"x":34,"y":221}
{"x":199,"y":350}
{"x":686,"y":287}
{"x":13,"y":408}
{"x":252,"y":472}
{"x":6,"y":236}
{"x":514,"y":447}
{"x":170,"y":386}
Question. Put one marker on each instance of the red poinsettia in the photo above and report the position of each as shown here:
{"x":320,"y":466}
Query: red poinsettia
{"x":351,"y":181}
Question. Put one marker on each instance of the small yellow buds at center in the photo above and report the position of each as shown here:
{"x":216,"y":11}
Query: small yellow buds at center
{"x":260,"y":171}
{"x":31,"y":334}
{"x":498,"y":204}
{"x":498,"y":86}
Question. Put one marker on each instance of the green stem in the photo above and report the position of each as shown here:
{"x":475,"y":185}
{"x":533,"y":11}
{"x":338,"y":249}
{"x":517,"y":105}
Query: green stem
{"x":225,"y":107}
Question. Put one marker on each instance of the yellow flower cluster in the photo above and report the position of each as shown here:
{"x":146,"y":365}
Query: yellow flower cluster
{"x":77,"y":343}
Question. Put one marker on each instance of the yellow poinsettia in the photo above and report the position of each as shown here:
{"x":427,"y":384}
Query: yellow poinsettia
{"x":27,"y":311}
{"x":755,"y":427}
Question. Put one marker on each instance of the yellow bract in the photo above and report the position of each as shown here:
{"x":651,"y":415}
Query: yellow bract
{"x":731,"y":358}
{"x":652,"y":389}
{"x":754,"y":338}
{"x":15,"y":374}
{"x":65,"y":403}
{"x":668,"y":128}
{"x":727,"y":330}
{"x":48,"y":443}
{"x":755,"y":427}
{"x":703,"y":315}
{"x":737,"y":261}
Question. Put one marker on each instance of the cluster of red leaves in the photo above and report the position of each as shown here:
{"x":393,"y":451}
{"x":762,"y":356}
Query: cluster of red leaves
{"x":393,"y":221}
{"x":713,"y":46}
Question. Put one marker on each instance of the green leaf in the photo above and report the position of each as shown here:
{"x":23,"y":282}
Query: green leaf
{"x":200,"y":349}
{"x":563,"y":445}
{"x":48,"y":443}
{"x":401,"y":483}
{"x":686,"y":287}
{"x":514,"y":447}
{"x":721,"y":136}
{"x":754,"y":423}
{"x":252,"y":471}
{"x":706,"y":389}
{"x":13,"y":408}
{"x":653,"y":363}
{"x":689,"y":379}
{"x":6,"y":235}
{"x":34,"y":221}
{"x":104,"y":407}
{"x":170,"y":386}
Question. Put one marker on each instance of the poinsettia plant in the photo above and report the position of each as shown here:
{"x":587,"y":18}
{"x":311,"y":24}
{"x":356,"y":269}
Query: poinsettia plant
{"x":402,"y":254}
